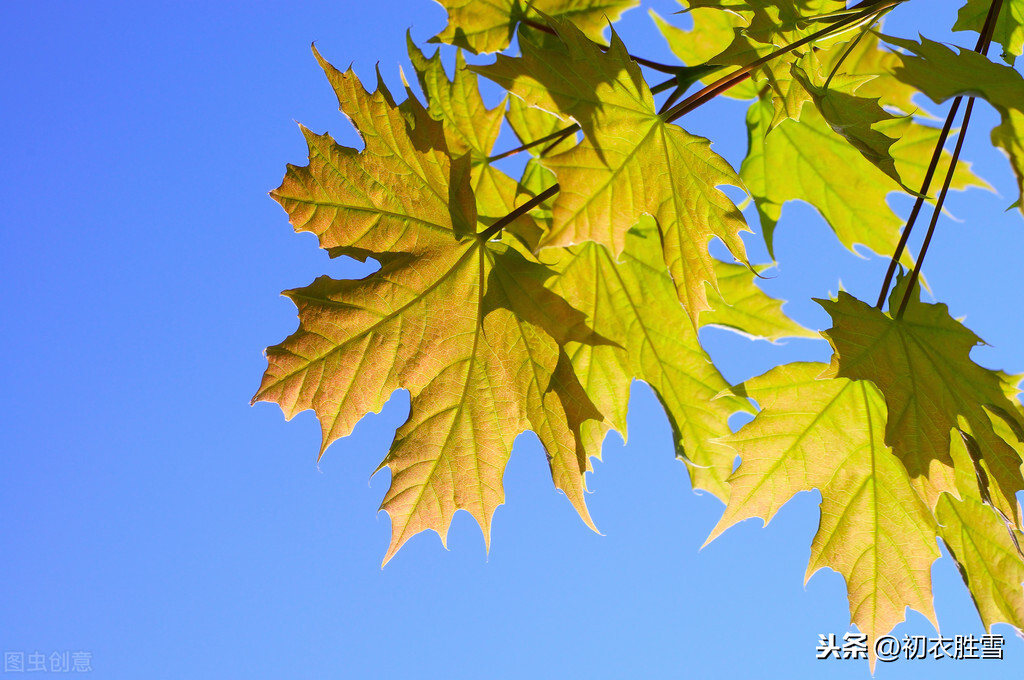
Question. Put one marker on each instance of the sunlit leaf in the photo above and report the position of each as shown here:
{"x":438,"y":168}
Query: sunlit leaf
{"x":464,"y":324}
{"x":633,"y":301}
{"x":830,"y":435}
{"x":921,"y":363}
{"x":806,"y":160}
{"x":1009,"y":31}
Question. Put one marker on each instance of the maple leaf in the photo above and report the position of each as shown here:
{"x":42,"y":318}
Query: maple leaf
{"x":941,"y":73}
{"x":921,"y":363}
{"x":632,"y":300}
{"x":874,"y":529}
{"x":488,"y":25}
{"x":1009,"y":30}
{"x":531,"y":124}
{"x":470,"y":127}
{"x":985,"y":546}
{"x":874,"y":66}
{"x":806,"y":160}
{"x":630,"y":162}
{"x":463,"y":323}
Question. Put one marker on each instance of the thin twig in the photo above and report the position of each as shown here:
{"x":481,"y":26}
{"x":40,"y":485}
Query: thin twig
{"x":984,"y":40}
{"x":664,"y":85}
{"x":725,"y":82}
{"x":846,"y":53}
{"x":558,"y":140}
{"x":518,"y":212}
{"x":559,"y":134}
{"x":938,"y":209}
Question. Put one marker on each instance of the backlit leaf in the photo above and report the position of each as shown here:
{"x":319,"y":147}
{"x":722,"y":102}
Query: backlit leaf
{"x":1009,"y":30}
{"x":632,"y":301}
{"x":713,"y":31}
{"x":462,"y":323}
{"x":921,"y":364}
{"x":874,"y":529}
{"x":743,"y":307}
{"x":806,"y":160}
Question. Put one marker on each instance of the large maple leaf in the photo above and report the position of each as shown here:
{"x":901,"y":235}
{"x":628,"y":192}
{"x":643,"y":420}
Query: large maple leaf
{"x":463,"y":323}
{"x":829,"y":435}
{"x":876,"y":529}
{"x":921,"y":363}
{"x":631,"y":162}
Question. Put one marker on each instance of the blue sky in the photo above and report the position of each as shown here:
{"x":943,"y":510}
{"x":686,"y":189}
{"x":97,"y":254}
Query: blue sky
{"x":151,"y":517}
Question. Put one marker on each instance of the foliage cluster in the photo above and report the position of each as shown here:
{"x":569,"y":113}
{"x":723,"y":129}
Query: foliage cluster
{"x":509,"y":304}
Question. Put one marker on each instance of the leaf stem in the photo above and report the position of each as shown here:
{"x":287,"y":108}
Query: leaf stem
{"x":847,"y":52}
{"x":938,"y":209}
{"x":670,"y":100}
{"x":663,"y":85}
{"x":558,"y":140}
{"x":490,"y":231}
{"x":558,"y":134}
{"x":725,"y":82}
{"x":984,"y":40}
{"x":919,"y":203}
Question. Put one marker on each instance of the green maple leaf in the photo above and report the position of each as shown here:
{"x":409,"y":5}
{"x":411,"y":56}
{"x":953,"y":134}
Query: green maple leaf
{"x":806,"y":160}
{"x":771,"y":22}
{"x":921,"y":363}
{"x":861,"y":72}
{"x":470,"y":127}
{"x":941,"y":73}
{"x":632,"y":300}
{"x":1009,"y":31}
{"x":868,"y":61}
{"x":875,"y":530}
{"x":488,"y":25}
{"x":463,"y":323}
{"x":630,"y":162}
{"x":984,"y":544}
{"x":830,"y":435}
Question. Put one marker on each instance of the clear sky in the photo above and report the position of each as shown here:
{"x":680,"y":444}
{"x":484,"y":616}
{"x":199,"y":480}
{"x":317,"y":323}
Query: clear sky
{"x":153,"y":519}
